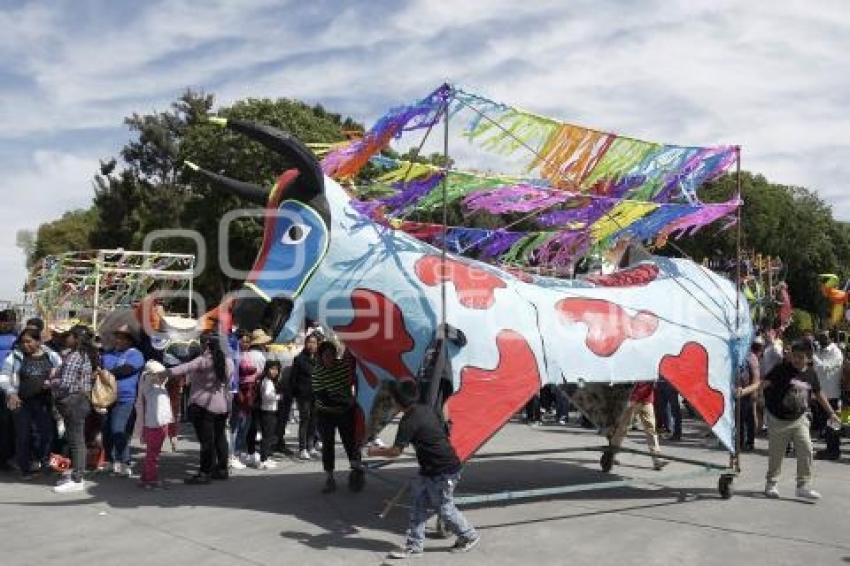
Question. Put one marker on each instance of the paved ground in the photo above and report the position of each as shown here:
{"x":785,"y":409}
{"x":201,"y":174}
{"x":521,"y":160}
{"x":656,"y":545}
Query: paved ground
{"x":279,"y":517}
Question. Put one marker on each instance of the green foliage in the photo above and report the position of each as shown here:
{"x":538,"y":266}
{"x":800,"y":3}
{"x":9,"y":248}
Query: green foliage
{"x":70,"y":232}
{"x":778,"y":220}
{"x":146,"y":187}
{"x":801,"y":321}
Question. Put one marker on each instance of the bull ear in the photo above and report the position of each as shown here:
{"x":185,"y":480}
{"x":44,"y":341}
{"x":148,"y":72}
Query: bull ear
{"x":249,"y":191}
{"x":285,"y":144}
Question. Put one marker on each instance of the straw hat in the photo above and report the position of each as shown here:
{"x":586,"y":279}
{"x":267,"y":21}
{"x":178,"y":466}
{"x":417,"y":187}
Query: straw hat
{"x":260,"y":338}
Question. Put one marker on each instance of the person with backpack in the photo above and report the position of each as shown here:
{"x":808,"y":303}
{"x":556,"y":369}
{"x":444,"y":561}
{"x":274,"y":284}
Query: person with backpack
{"x":209,"y":377}
{"x":25,"y":378}
{"x":439,"y":472}
{"x":251,"y":364}
{"x":72,"y":390}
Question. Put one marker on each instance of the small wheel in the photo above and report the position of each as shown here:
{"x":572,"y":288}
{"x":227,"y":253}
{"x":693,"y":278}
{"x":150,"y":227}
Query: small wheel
{"x":606,"y":462}
{"x":442,"y":530}
{"x":724,"y":486}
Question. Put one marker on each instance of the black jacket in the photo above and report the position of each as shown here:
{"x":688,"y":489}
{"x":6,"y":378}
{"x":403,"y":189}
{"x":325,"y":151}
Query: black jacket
{"x":301,"y":378}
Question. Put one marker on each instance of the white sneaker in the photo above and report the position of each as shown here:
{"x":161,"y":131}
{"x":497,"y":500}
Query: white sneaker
{"x":127,"y":471}
{"x":118,"y":468}
{"x":805,"y":492}
{"x":268,"y":465}
{"x":235,"y":464}
{"x":379,"y":443}
{"x":771,"y":491}
{"x":70,"y":486}
{"x":304,"y":455}
{"x":314,"y":453}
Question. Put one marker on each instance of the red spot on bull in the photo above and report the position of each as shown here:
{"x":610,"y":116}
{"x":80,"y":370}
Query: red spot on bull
{"x":489,"y":397}
{"x":475,"y":287}
{"x":377,"y":333}
{"x":608,"y":324}
{"x":688,"y":372}
{"x":637,"y":276}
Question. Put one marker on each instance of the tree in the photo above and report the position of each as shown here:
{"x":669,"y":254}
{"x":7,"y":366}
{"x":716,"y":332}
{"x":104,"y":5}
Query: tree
{"x":778,"y":220}
{"x":146,"y":187}
{"x":68,"y":233}
{"x":26,"y":240}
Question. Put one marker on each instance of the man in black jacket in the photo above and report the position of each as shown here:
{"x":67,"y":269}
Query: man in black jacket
{"x":301,"y":388}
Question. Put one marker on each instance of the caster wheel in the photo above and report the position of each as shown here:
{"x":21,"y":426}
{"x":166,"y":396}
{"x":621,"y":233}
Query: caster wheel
{"x":606,"y":462}
{"x":724,"y":486}
{"x":356,"y":480}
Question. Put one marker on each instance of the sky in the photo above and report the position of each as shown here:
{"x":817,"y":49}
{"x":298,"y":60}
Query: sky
{"x":773,"y":77}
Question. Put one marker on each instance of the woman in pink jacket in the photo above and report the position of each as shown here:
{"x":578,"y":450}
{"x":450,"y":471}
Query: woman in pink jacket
{"x":209,"y":400}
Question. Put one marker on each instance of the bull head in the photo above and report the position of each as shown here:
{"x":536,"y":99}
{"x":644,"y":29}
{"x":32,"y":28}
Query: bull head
{"x":296,"y":231}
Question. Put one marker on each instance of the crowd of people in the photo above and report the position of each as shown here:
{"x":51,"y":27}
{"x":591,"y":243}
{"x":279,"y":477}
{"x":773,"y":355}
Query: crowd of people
{"x":238,"y":398}
{"x":238,"y":392}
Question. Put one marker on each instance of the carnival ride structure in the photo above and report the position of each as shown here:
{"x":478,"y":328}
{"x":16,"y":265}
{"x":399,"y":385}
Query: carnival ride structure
{"x":94,"y":282}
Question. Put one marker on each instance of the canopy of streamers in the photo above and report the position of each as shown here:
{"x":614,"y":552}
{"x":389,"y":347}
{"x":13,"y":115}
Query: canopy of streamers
{"x":108,"y":279}
{"x":580,"y":188}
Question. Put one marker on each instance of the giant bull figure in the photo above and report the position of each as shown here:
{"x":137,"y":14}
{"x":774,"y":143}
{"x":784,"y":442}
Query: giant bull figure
{"x":380,"y":290}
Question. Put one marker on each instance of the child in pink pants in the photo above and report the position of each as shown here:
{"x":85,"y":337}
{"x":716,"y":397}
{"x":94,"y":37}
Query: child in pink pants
{"x":153,"y":410}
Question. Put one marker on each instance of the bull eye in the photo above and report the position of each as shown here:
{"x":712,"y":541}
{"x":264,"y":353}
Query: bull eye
{"x":296,"y":234}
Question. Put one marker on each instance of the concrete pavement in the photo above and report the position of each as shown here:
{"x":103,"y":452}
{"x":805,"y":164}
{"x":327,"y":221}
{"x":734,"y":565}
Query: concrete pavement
{"x":280,"y":517}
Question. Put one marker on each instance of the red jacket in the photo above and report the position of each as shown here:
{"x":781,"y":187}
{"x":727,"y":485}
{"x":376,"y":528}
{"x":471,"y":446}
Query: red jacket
{"x":643,"y":392}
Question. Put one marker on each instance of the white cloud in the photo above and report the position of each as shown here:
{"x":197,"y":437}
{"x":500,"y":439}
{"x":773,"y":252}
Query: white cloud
{"x":37,"y":191}
{"x":773,"y":77}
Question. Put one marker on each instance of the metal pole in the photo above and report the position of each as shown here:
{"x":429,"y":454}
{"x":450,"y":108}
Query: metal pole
{"x":191,"y":281}
{"x":443,"y":274}
{"x":736,"y":463}
{"x":96,"y":291}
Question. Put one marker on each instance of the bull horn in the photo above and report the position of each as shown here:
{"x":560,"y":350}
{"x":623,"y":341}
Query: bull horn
{"x":249,"y":191}
{"x":285,"y":144}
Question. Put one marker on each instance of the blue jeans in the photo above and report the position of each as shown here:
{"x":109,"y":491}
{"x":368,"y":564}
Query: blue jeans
{"x":119,"y":427}
{"x":240,"y":422}
{"x":671,"y":411}
{"x":430,"y":495}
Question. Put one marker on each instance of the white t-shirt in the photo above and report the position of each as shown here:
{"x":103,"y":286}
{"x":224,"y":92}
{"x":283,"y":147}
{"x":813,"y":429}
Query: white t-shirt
{"x":157,"y":404}
{"x":828,"y":365}
{"x":268,"y":396}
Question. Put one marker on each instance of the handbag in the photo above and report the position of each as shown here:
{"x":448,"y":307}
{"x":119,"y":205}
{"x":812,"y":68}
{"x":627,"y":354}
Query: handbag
{"x":104,"y":390}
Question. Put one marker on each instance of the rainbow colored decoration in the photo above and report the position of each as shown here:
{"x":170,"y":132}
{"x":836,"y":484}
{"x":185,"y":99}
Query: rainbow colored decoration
{"x":581,"y":188}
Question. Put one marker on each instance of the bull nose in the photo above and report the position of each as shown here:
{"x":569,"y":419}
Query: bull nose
{"x":252,"y":311}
